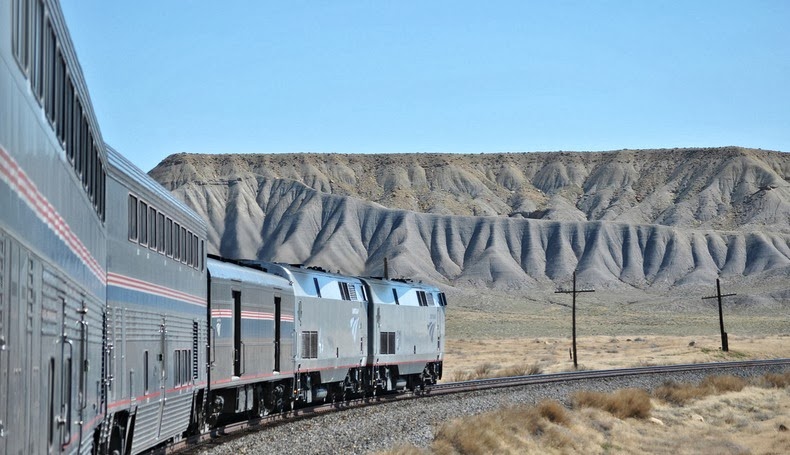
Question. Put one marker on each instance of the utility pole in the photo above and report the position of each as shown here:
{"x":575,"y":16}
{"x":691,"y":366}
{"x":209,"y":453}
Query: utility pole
{"x":724,"y":345}
{"x":574,"y":292}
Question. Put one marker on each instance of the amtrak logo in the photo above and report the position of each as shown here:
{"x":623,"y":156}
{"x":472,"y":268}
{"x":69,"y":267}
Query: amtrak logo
{"x":431,"y":329}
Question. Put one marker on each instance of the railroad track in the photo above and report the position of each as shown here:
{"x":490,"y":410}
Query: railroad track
{"x":231,"y":431}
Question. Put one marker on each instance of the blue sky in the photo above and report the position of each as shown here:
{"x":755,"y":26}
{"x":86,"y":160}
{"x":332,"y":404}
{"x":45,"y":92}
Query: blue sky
{"x":433,"y":76}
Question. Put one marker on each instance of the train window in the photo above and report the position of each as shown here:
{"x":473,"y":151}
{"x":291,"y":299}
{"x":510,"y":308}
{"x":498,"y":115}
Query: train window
{"x":430,"y":301}
{"x":177,"y":368}
{"x":395,"y":296}
{"x":176,"y":242}
{"x":102,"y":189}
{"x":143,"y":223}
{"x":183,"y":245}
{"x":49,"y":70}
{"x":442,"y":299}
{"x":87,"y":140}
{"x":344,"y":291}
{"x":309,"y":345}
{"x":76,"y":114}
{"x":152,"y":228}
{"x":195,"y":254}
{"x":60,"y":74}
{"x":202,"y":255}
{"x":160,"y":232}
{"x":185,"y":366}
{"x":387,"y":343}
{"x":169,"y":238}
{"x":190,"y":249}
{"x":317,"y":287}
{"x":93,"y":157}
{"x":20,"y":33}
{"x":38,"y":51}
{"x":80,"y":145}
{"x":132,"y":218}
{"x":364,"y":293}
{"x":68,"y":111}
{"x":421,"y":298}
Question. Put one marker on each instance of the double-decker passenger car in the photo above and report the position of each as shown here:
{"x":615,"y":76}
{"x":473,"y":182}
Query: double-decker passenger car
{"x":156,"y":310}
{"x":52,"y":239}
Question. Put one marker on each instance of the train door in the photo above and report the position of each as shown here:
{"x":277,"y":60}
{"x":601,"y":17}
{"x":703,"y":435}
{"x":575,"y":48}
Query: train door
{"x":237,"y":343}
{"x":277,"y":317}
{"x":19,"y":352}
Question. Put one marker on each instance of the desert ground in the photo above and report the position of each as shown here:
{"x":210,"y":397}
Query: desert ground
{"x":493,"y":334}
{"x":725,"y":416}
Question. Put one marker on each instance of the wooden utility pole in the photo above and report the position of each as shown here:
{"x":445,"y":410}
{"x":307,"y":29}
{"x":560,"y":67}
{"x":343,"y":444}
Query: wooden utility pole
{"x":574,"y":292}
{"x":724,"y":344}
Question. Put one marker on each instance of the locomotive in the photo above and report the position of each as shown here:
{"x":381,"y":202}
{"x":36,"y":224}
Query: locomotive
{"x":118,"y":331}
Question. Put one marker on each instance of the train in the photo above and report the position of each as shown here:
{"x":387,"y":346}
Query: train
{"x":119,"y":332}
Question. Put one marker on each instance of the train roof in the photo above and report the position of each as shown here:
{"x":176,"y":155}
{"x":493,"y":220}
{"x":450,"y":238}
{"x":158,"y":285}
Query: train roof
{"x":300,"y":269}
{"x":399,"y":283}
{"x":121,"y":167}
{"x":230,"y":271}
{"x":73,"y":65}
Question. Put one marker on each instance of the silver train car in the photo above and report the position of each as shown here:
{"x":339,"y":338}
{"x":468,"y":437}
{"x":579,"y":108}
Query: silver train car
{"x":406,"y":333}
{"x":52,"y":239}
{"x":156,"y":329}
{"x":251,"y":329}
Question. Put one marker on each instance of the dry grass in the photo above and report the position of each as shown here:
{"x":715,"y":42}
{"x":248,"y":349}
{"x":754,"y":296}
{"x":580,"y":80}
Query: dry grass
{"x":777,"y":380}
{"x":508,"y":430}
{"x":508,"y":357}
{"x":489,"y":370}
{"x":732,"y":418}
{"x":682,"y":393}
{"x":622,"y":404}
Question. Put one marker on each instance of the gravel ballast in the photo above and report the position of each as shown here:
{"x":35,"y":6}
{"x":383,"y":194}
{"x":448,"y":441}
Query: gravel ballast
{"x":382,"y":427}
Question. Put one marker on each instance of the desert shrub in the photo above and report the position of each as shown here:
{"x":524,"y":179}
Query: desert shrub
{"x":723,"y":384}
{"x":553,"y":412}
{"x":557,"y":437}
{"x":460,"y":375}
{"x":520,"y":370}
{"x":778,"y":380}
{"x":621,"y":404}
{"x":682,"y":393}
{"x":505,"y":430}
{"x":484,"y":370}
{"x":678,"y":393}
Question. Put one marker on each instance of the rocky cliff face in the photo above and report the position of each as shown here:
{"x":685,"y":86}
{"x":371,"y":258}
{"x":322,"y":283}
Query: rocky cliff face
{"x":631,"y":218}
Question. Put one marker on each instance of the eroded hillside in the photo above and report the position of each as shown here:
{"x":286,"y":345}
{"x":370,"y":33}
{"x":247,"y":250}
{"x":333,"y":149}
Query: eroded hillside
{"x":635,"y":218}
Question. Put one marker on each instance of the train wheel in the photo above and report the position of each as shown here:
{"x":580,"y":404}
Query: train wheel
{"x":277,"y":401}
